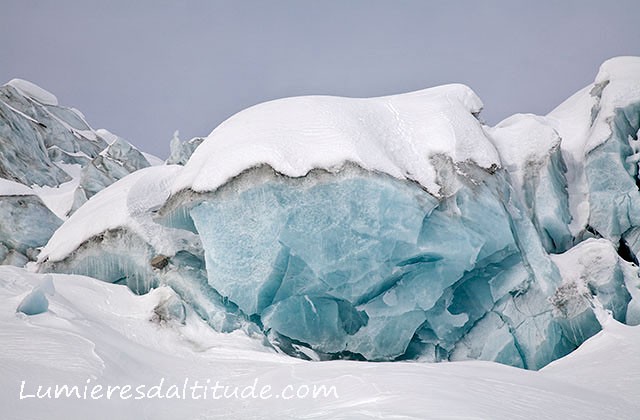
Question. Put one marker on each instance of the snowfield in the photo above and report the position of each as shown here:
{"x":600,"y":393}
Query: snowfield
{"x":102,"y":334}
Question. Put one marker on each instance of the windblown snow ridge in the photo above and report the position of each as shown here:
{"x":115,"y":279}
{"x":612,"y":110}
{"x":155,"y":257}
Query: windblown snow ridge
{"x":397,"y":135}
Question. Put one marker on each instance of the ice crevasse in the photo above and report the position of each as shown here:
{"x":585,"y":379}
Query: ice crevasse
{"x":389,"y":228}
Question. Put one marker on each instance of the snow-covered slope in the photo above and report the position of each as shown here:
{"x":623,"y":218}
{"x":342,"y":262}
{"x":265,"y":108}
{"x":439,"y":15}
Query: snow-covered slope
{"x":100,"y":334}
{"x":127,"y":205}
{"x":607,"y":362}
{"x":14,"y":188}
{"x":397,"y":135}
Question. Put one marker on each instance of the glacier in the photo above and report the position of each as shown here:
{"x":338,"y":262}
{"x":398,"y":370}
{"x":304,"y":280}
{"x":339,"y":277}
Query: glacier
{"x":381,"y":229}
{"x":52,"y":149}
{"x":116,"y":161}
{"x":27,"y":223}
{"x":180,"y":151}
{"x":35,"y":134}
{"x":436,"y":251}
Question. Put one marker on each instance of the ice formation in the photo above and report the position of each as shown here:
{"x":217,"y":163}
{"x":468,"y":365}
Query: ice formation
{"x":113,"y":237}
{"x":538,"y":175}
{"x":35,"y":132}
{"x":181,"y":151}
{"x":389,"y":228}
{"x":36,"y":301}
{"x":115,"y":162}
{"x":54,"y":150}
{"x":593,"y":268}
{"x":26,"y":223}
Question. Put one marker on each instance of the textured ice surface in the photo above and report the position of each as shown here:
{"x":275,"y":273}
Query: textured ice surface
{"x":611,"y":169}
{"x":594,"y":269}
{"x":389,"y":228}
{"x":36,"y":301}
{"x":24,"y":154}
{"x":25,"y":223}
{"x":170,"y":309}
{"x":113,"y":237}
{"x":181,"y":151}
{"x":49,"y":148}
{"x":599,"y":128}
{"x":530,"y":151}
{"x":386,"y":271}
{"x":119,"y":159}
{"x":35,"y":132}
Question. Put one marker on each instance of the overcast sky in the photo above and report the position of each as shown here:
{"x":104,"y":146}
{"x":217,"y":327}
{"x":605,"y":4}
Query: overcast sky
{"x":143,"y":69}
